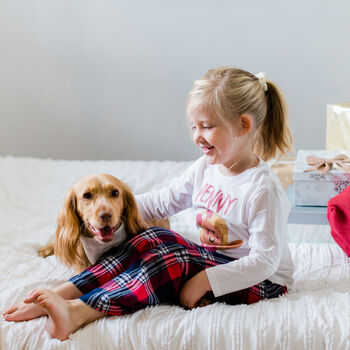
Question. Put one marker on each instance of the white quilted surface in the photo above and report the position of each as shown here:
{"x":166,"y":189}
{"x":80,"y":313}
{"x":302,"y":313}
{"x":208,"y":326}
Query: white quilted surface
{"x":316,"y":315}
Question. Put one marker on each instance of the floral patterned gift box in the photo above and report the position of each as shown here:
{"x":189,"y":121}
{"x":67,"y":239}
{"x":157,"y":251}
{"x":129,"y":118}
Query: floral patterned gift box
{"x":320,"y":175}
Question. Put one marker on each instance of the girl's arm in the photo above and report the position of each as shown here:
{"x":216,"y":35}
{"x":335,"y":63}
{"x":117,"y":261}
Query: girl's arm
{"x":169,"y":200}
{"x":267,"y":221}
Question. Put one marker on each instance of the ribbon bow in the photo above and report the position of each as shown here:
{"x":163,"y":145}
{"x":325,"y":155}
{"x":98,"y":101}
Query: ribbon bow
{"x":323,"y":165}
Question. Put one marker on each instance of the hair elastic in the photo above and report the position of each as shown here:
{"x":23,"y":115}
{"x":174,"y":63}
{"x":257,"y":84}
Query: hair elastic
{"x":262,"y":80}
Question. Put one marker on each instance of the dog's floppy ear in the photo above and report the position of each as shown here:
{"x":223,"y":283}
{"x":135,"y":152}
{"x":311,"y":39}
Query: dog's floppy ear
{"x":133,"y":220}
{"x":68,"y":232}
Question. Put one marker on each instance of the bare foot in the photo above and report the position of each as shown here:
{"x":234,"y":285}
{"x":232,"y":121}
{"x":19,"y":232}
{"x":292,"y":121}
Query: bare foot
{"x":23,"y":312}
{"x":65,"y":316}
{"x":61,"y":322}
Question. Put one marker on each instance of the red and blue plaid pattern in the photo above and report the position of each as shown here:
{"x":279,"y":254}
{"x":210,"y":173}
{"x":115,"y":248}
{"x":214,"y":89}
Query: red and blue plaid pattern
{"x":150,"y":269}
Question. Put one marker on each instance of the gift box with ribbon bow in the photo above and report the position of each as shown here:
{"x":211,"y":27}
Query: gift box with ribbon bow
{"x":320,"y":175}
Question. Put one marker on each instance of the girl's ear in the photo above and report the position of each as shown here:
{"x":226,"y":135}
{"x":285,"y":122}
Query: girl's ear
{"x":245,"y":124}
{"x":133,"y":221}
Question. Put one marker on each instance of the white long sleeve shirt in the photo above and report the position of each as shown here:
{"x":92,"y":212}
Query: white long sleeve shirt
{"x":251,"y":207}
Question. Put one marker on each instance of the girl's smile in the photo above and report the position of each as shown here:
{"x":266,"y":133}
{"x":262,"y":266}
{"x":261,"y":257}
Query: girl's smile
{"x":224,"y":143}
{"x":206,"y":149}
{"x":216,"y":139}
{"x":205,"y":131}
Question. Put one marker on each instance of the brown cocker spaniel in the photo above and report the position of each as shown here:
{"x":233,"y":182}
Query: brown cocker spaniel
{"x":94,"y":210}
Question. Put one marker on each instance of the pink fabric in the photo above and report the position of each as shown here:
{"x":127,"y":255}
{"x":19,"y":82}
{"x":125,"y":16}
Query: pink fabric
{"x":338,"y":215}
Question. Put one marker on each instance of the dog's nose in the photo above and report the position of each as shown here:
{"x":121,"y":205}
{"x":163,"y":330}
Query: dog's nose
{"x":105,"y":216}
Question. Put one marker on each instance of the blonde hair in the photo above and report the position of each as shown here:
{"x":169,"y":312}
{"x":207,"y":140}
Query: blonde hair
{"x":230,"y":92}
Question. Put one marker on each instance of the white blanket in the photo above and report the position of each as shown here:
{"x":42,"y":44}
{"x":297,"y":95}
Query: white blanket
{"x":315,"y":315}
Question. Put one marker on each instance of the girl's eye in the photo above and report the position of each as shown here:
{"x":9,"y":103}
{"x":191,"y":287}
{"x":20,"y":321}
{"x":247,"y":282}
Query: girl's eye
{"x":87,"y":195}
{"x":115,"y":193}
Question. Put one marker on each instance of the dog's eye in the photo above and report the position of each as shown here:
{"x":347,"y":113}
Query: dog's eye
{"x":87,"y":195}
{"x":115,"y":193}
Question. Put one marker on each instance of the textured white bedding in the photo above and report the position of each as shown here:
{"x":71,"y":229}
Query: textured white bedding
{"x":315,"y":315}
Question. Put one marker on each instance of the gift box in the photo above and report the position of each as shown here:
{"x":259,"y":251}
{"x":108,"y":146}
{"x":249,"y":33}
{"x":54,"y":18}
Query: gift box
{"x":338,"y":126}
{"x":326,"y":176}
{"x":284,"y":171}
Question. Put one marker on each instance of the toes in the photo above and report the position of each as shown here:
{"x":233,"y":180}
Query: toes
{"x":33,"y":296}
{"x":10,"y":310}
{"x":29,"y":298}
{"x":41,"y":297}
{"x":11,"y":315}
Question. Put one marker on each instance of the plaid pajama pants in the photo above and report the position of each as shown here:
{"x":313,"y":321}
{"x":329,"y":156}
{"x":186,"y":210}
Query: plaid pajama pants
{"x":150,"y":269}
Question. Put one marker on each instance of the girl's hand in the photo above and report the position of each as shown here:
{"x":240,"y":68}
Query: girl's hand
{"x":194,"y":289}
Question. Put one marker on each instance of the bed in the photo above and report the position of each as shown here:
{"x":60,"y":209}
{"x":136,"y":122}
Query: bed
{"x":314,"y":315}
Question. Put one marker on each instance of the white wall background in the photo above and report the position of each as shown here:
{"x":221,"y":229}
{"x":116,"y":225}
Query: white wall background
{"x":103,"y":79}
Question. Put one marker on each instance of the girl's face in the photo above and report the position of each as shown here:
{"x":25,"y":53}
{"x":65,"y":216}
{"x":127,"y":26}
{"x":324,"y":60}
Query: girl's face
{"x":220,"y":141}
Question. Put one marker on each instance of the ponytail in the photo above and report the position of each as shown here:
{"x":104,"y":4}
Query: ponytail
{"x":274,"y":137}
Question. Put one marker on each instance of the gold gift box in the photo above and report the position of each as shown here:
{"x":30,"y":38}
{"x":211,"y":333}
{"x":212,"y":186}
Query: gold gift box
{"x":338,"y":126}
{"x":284,"y":171}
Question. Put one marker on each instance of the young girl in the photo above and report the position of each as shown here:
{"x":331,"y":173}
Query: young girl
{"x":238,"y":120}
